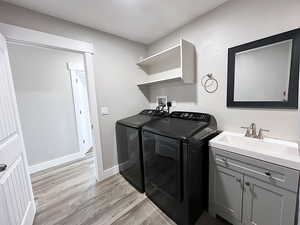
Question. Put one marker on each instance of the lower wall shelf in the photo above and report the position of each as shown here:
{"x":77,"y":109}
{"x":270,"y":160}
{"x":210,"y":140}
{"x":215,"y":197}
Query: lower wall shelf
{"x":163,"y":76}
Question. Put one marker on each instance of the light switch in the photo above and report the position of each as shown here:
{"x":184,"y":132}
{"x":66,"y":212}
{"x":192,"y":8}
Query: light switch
{"x":104,"y":110}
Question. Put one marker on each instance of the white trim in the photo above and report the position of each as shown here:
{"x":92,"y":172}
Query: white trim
{"x":21,"y":35}
{"x":55,"y":162}
{"x":27,"y":36}
{"x":110,"y":172}
{"x":90,"y":75}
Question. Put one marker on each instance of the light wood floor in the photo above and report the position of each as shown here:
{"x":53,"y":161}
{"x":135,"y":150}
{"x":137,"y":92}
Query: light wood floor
{"x":69,"y":195}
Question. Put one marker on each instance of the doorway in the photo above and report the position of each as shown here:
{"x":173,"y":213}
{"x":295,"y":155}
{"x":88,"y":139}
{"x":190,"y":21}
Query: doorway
{"x":47,"y":105}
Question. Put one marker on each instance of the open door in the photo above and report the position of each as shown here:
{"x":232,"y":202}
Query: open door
{"x":81,"y":106}
{"x":17,"y":206}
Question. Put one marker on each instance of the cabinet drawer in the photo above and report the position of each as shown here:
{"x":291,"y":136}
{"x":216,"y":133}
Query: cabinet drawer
{"x":274,"y":174}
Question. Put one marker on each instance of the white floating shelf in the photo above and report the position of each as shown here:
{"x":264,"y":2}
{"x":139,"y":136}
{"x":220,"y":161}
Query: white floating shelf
{"x":174,"y":51}
{"x":177,"y":62}
{"x":163,"y":76}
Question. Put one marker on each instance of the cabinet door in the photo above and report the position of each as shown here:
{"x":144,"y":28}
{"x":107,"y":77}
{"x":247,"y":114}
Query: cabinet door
{"x":265,"y":204}
{"x":228,"y":194}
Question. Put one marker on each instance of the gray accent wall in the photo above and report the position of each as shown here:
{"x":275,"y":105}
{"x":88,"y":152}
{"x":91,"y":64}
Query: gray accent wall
{"x":235,"y":22}
{"x":115,"y":67}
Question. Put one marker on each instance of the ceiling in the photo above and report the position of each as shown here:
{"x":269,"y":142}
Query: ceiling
{"x":139,"y":20}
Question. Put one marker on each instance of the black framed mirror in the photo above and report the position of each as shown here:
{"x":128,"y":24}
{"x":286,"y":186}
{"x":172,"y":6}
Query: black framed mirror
{"x":265,"y":73}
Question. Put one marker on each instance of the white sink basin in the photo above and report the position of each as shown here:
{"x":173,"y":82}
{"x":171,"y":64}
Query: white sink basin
{"x":275,"y":151}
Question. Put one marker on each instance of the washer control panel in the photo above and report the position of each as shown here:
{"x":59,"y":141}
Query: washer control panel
{"x":203,"y":117}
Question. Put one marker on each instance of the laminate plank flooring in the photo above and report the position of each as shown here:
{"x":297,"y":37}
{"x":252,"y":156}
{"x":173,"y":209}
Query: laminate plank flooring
{"x":70,"y":195}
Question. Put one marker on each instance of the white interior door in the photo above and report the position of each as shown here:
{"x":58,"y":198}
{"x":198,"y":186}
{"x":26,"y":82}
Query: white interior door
{"x":17,"y":205}
{"x":81,"y":105}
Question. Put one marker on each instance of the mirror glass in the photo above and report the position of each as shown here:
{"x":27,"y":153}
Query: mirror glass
{"x":263,"y":73}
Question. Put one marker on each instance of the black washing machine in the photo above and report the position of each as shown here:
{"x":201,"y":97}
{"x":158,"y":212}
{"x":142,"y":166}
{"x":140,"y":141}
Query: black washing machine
{"x":129,"y":145}
{"x":175,"y":152}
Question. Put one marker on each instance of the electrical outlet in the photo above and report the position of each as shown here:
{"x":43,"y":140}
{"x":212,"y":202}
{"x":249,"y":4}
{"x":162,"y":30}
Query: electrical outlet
{"x":161,"y":100}
{"x":104,"y":110}
{"x":174,"y":103}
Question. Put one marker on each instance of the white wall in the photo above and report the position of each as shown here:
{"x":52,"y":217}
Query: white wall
{"x":234,"y":23}
{"x":44,"y":95}
{"x":115,"y":69}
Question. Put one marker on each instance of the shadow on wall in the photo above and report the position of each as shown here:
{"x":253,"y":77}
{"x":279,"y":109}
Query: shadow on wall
{"x":175,"y":90}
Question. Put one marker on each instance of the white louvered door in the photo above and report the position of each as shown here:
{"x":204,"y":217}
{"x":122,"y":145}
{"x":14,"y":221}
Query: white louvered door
{"x":17,"y":205}
{"x":82,"y":111}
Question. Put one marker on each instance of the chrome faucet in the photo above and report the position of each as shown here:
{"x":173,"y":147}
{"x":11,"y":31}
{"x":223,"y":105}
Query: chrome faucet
{"x":248,"y":132}
{"x":260,"y":133}
{"x":251,"y":132}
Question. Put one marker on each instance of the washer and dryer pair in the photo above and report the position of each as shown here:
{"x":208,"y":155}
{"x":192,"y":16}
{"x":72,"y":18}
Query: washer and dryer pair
{"x":166,"y":155}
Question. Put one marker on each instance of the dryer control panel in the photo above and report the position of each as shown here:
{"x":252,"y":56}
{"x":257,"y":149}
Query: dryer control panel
{"x":203,"y":117}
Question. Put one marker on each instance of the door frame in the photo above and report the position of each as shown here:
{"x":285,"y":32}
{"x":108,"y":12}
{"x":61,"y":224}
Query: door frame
{"x":19,"y":35}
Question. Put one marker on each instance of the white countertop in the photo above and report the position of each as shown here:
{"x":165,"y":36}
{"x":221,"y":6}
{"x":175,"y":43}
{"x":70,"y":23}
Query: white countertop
{"x":283,"y":153}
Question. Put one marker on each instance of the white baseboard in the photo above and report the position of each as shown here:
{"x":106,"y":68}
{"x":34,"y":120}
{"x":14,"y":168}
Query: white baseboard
{"x":110,"y":172}
{"x":55,"y":162}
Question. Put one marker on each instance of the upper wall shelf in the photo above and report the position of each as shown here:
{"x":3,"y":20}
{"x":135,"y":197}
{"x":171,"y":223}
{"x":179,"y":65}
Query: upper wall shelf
{"x":175,"y":63}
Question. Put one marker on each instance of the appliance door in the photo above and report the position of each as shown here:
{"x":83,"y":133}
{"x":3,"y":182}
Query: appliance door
{"x":129,"y":155}
{"x":162,"y":165}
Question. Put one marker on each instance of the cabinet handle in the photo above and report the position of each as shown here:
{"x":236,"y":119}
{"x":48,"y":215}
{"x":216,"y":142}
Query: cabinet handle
{"x":247,"y":183}
{"x":268,"y":173}
{"x":238,"y":180}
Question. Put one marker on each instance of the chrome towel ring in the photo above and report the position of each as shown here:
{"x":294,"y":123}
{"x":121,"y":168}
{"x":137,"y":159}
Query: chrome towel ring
{"x":209,"y":83}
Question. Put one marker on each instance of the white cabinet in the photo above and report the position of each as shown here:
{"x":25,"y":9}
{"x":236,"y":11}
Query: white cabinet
{"x":251,"y":192}
{"x":175,"y":63}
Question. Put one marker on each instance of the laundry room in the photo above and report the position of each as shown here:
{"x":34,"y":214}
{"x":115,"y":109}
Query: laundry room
{"x":149,"y":112}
